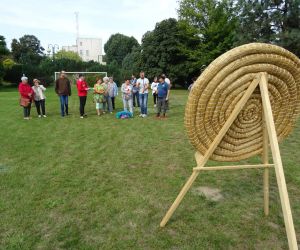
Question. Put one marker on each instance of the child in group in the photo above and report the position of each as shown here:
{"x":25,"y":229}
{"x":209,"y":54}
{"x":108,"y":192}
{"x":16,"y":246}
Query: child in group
{"x":39,"y":97}
{"x":99,"y":96}
{"x":126,"y":90}
{"x":154,"y":90}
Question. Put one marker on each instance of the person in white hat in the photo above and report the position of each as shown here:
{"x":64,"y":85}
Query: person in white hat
{"x":26,"y":96}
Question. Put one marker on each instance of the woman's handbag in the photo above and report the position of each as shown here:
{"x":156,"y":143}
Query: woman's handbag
{"x":24,"y":102}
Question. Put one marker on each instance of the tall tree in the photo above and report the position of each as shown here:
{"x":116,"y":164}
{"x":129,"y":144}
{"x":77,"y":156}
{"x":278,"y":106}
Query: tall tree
{"x":3,"y":49}
{"x":162,"y":50}
{"x":27,"y":49}
{"x":118,"y":46}
{"x":290,"y":30}
{"x":258,"y":21}
{"x":3,"y":53}
{"x":276,"y":21}
{"x":213,"y":21}
{"x":132,"y":62}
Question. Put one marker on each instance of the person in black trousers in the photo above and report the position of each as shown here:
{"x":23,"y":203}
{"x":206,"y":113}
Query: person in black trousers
{"x":39,"y":97}
{"x":82,"y":88}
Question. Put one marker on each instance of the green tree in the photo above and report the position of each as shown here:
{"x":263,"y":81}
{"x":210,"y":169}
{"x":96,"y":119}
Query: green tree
{"x":68,"y":55}
{"x":3,"y":49}
{"x":276,"y":21}
{"x":118,"y":46}
{"x":8,"y":63}
{"x":162,"y":51}
{"x":257,"y":23}
{"x":289,"y":35}
{"x":132,"y":62}
{"x":27,"y":49}
{"x":3,"y":53}
{"x":213,"y":21}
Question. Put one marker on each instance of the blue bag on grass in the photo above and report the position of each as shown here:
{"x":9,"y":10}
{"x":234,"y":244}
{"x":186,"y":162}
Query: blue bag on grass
{"x":124,"y":115}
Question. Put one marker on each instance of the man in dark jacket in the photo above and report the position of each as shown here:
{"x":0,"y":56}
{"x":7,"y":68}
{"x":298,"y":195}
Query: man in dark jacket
{"x":63,"y":90}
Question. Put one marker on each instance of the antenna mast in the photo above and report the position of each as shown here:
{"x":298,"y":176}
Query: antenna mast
{"x":77,"y":24}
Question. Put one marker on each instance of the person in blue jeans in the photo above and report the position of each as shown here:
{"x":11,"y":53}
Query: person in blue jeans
{"x":115,"y":91}
{"x":143,"y":85}
{"x":63,"y":90}
{"x":135,"y":91}
{"x":110,"y":94}
{"x":163,"y":92}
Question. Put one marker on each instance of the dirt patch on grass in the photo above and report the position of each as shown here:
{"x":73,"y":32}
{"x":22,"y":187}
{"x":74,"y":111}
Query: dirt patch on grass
{"x":213,"y":194}
{"x":273,"y":225}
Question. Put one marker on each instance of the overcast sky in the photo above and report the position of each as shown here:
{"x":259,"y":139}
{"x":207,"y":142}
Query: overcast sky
{"x":53,"y":21}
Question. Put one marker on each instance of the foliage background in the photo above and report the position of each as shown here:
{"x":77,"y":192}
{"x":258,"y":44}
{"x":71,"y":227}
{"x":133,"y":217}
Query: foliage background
{"x":180,"y":48}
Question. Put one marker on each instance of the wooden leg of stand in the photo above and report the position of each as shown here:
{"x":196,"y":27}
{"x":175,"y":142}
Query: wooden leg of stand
{"x":201,"y":160}
{"x":284,"y":198}
{"x":266,"y":191}
{"x":179,"y":198}
{"x":265,"y":160}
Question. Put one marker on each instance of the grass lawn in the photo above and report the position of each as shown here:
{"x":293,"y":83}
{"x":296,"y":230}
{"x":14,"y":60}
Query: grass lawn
{"x":103,"y":183}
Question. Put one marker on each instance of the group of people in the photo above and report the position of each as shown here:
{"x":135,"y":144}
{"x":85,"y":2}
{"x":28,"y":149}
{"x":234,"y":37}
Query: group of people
{"x":30,"y":94}
{"x":134,"y":94}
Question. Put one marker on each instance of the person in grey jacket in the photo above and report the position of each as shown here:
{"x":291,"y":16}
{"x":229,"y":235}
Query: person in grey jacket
{"x":114,"y":92}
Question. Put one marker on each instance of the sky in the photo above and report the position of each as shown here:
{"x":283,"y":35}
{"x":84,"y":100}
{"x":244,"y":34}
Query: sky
{"x":53,"y":22}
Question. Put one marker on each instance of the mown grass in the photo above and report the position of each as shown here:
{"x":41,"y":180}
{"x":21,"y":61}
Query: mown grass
{"x":103,"y":183}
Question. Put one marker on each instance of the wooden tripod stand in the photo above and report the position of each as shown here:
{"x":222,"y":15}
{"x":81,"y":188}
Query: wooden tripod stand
{"x":269,"y":136}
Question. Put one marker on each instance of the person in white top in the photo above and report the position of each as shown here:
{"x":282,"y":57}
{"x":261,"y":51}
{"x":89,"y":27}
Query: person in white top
{"x":143,"y":85}
{"x":154,"y":90}
{"x":167,"y":80}
{"x":39,"y":97}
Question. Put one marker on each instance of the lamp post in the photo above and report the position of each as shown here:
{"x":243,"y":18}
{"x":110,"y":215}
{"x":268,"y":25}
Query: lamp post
{"x":52,"y":47}
{"x":23,"y":60}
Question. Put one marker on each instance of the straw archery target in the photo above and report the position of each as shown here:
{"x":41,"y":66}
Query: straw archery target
{"x":220,"y":87}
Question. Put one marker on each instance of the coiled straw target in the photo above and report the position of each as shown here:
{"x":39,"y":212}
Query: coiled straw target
{"x":220,"y":87}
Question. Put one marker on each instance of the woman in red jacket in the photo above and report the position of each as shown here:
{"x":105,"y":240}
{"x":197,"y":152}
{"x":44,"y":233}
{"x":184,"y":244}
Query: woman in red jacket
{"x":26,"y":96}
{"x":82,"y":88}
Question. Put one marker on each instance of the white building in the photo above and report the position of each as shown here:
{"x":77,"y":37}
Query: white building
{"x":87,"y":48}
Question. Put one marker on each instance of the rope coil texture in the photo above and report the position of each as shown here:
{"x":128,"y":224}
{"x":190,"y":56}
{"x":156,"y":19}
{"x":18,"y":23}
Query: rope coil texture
{"x":223,"y":83}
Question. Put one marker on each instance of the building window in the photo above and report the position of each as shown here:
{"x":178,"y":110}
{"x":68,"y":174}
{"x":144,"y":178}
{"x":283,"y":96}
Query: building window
{"x":87,"y":53}
{"x":81,"y":52}
{"x":80,"y":43}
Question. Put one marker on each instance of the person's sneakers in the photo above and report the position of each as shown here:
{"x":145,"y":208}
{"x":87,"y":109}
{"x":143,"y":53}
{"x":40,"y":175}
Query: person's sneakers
{"x":154,"y":105}
{"x":39,"y":116}
{"x":141,"y":115}
{"x":85,"y":115}
{"x":26,"y":118}
{"x":144,"y":115}
{"x":81,"y":117}
{"x":44,"y":116}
